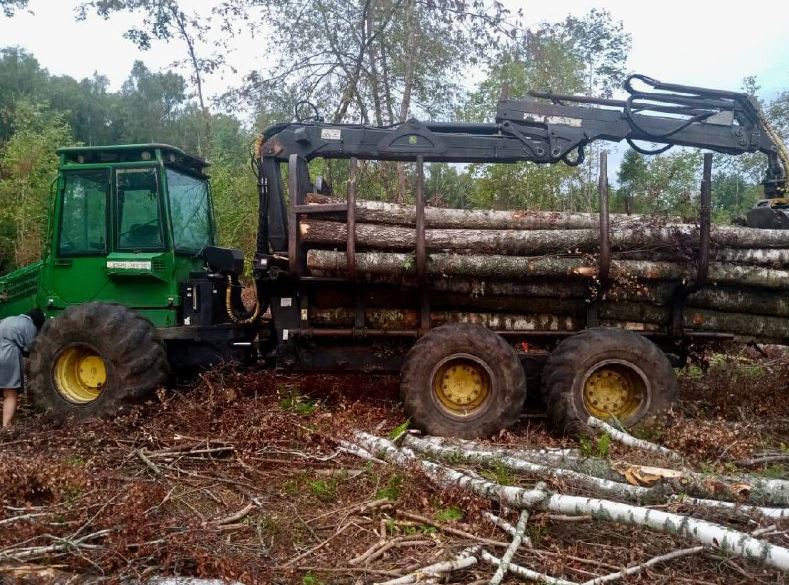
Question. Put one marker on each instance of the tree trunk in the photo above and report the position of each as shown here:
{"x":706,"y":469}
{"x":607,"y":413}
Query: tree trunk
{"x":520,"y":267}
{"x":399,"y":319}
{"x":438,"y":217}
{"x":667,"y":241}
{"x":742,"y":324}
{"x":708,"y":533}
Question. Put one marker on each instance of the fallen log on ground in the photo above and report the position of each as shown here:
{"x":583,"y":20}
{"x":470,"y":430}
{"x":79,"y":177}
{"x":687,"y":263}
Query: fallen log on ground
{"x":714,"y":535}
{"x":658,"y":483}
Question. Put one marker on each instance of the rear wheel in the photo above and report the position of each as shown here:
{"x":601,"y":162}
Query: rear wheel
{"x":462,"y":380}
{"x":606,"y":373}
{"x":93,"y":359}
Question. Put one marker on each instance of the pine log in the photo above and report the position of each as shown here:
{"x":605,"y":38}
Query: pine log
{"x":740,"y":301}
{"x":394,"y":319}
{"x":527,"y":242}
{"x":474,"y":287}
{"x":637,"y":316}
{"x":776,"y":258}
{"x":521,"y":267}
{"x":511,"y":304}
{"x":560,"y":303}
{"x":437,"y":217}
{"x":742,"y":324}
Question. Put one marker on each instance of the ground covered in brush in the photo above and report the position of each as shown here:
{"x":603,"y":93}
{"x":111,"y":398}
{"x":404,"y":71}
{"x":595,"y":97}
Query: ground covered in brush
{"x":241,"y":475}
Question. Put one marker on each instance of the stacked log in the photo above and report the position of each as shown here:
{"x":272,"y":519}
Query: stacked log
{"x":539,"y":271}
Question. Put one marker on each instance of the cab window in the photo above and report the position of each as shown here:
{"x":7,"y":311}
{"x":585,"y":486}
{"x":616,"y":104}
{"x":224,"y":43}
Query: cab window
{"x":139,"y":211}
{"x":190,"y":211}
{"x":83,"y":219}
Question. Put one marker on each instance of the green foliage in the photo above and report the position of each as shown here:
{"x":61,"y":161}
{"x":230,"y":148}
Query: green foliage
{"x":391,"y":490}
{"x":28,"y":164}
{"x":311,"y":579}
{"x":324,"y":489}
{"x":398,"y":431}
{"x":600,"y":447}
{"x":661,"y":185}
{"x":499,"y":473}
{"x":372,"y":62}
{"x":296,"y":402}
{"x":451,"y":514}
{"x":586,"y":54}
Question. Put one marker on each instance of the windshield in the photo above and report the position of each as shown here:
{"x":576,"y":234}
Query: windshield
{"x":139,"y":220}
{"x":190,"y":210}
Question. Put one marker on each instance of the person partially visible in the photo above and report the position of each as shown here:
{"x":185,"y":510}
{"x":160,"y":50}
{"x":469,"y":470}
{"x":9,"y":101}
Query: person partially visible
{"x":16,"y":339}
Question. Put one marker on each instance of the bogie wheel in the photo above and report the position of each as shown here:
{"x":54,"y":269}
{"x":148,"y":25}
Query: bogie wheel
{"x":607,"y":373}
{"x":93,"y":359}
{"x":462,"y":380}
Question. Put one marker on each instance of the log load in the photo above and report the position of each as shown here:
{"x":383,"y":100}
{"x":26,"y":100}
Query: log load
{"x":525,"y":267}
{"x":530,"y":242}
{"x":540,"y":271}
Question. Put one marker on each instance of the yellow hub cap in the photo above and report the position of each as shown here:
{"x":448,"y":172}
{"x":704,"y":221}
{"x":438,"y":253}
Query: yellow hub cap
{"x":461,"y":385}
{"x":80,"y":374}
{"x":614,"y":390}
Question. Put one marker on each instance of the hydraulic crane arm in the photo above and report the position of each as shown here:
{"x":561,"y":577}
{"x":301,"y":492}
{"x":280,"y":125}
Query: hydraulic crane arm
{"x":545,"y":128}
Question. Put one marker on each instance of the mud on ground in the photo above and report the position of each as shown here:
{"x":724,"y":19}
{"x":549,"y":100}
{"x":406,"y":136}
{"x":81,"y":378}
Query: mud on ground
{"x":239,"y":475}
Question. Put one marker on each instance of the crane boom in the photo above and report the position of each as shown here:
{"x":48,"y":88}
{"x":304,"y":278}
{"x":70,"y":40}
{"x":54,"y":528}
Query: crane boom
{"x":545,"y":128}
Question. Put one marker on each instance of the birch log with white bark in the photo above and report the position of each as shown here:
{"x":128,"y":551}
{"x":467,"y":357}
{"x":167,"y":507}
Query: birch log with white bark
{"x":762,"y":492}
{"x":630,"y":441}
{"x":731,"y":541}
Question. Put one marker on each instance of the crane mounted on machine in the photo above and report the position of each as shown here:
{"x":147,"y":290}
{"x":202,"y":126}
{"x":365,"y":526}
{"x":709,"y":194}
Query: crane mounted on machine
{"x":135,"y":285}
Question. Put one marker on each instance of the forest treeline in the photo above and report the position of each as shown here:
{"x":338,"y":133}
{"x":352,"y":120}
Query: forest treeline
{"x":370,"y":61}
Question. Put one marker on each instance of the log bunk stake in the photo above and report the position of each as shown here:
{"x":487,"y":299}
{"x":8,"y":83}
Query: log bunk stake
{"x":592,"y":318}
{"x":702,"y":270}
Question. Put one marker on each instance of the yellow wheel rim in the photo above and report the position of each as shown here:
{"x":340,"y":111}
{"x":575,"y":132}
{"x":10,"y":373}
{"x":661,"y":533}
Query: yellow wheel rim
{"x":80,"y":374}
{"x":461,"y":384}
{"x":615,"y":389}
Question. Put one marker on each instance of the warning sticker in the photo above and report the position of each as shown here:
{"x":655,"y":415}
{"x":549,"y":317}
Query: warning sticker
{"x":331,"y":134}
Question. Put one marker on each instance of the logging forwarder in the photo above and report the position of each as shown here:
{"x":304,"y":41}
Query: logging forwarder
{"x":136,"y":287}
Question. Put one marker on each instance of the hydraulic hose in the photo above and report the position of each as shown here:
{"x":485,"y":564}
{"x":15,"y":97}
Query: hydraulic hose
{"x":231,"y":310}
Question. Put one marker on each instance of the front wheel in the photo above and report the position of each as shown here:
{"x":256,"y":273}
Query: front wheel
{"x":93,"y":359}
{"x":462,"y":380}
{"x":607,"y":373}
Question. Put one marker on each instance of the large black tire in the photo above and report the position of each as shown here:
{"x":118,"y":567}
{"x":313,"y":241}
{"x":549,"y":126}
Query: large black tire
{"x":479,"y":355}
{"x":618,"y":359}
{"x":134,"y":359}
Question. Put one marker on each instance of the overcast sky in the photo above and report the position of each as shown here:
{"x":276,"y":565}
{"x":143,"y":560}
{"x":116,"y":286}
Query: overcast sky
{"x":691,"y":41}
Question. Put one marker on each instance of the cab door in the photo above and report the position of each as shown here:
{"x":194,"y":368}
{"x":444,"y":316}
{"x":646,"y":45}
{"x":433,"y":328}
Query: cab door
{"x":81,"y":236}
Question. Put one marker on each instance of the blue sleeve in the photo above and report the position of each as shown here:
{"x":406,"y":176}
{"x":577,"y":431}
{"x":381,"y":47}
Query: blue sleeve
{"x":24,"y":332}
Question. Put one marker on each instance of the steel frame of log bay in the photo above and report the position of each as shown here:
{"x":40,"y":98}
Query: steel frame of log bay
{"x":291,"y":290}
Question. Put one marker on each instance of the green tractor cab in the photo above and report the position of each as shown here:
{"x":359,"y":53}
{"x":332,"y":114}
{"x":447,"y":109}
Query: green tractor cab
{"x":131,"y":276}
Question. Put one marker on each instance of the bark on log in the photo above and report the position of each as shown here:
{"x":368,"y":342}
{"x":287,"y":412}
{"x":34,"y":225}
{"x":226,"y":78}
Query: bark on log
{"x":725,"y":299}
{"x":528,"y":242}
{"x":520,"y":267}
{"x":437,"y":217}
{"x":757,"y":491}
{"x":701,"y":531}
{"x":393,"y":319}
{"x":475,"y":287}
{"x":743,"y":324}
